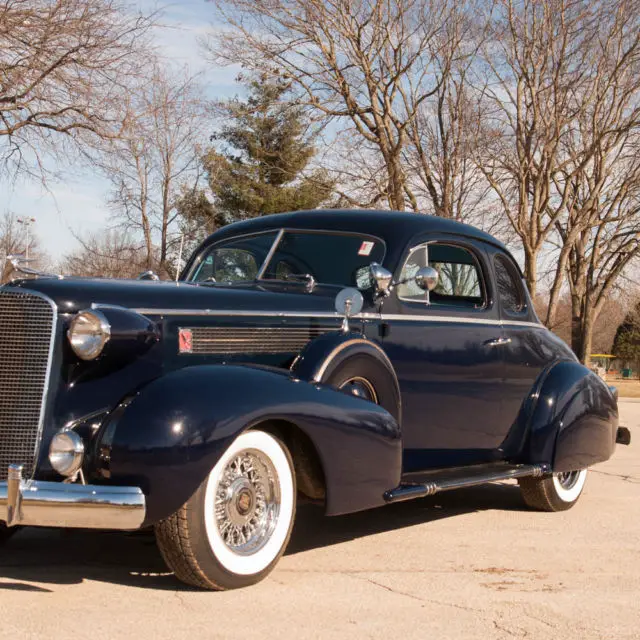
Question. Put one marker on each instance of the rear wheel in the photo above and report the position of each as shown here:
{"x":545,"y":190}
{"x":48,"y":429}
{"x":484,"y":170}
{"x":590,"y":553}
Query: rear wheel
{"x":366,"y":377}
{"x":557,"y":492}
{"x":233,"y":530}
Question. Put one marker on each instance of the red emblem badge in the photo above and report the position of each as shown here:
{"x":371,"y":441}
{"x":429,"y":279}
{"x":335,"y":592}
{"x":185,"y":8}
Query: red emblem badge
{"x":185,"y":341}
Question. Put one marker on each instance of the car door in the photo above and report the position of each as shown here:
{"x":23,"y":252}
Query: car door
{"x":528,"y":347}
{"x":445,"y":349}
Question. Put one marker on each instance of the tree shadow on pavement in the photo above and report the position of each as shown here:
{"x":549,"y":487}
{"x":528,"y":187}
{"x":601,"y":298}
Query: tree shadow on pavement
{"x":63,"y":557}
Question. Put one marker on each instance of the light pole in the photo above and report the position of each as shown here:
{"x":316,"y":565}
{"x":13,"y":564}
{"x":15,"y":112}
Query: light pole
{"x":26,"y":222}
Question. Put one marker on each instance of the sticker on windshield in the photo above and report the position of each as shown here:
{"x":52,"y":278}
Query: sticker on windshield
{"x":365,"y":248}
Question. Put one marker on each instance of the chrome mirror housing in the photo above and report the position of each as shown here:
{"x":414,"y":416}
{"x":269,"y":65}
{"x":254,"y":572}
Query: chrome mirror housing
{"x":148,"y":275}
{"x":427,"y":278}
{"x":381,"y":278}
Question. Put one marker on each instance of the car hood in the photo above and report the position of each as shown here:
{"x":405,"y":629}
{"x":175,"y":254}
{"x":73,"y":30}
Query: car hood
{"x":74,"y":294}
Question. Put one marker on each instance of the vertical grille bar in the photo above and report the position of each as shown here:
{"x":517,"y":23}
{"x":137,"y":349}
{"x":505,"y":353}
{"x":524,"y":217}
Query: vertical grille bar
{"x":27,"y":330}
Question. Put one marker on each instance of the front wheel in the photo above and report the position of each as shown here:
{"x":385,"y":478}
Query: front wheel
{"x":233,"y":530}
{"x":557,"y":492}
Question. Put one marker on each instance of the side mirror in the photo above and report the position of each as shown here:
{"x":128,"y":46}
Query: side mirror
{"x":381,"y":278}
{"x":148,"y":275}
{"x":427,"y":278}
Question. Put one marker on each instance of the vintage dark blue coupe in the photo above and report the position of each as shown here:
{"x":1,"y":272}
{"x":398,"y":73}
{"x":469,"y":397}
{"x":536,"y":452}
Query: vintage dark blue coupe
{"x":354,"y":358}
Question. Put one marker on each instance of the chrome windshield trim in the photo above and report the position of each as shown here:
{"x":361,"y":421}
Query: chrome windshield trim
{"x":279,"y":231}
{"x":205,"y":251}
{"x":272,"y":250}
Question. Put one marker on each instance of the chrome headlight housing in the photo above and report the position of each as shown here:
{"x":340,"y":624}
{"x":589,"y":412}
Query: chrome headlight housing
{"x":66,"y":452}
{"x":88,"y":333}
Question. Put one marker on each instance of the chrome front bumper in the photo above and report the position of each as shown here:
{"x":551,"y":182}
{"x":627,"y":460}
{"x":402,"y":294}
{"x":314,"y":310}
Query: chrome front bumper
{"x":57,"y":504}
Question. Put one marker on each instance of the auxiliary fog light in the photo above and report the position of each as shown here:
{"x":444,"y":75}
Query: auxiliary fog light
{"x":66,"y":452}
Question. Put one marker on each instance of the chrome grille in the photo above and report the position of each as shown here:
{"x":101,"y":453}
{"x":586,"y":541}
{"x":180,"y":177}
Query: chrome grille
{"x":239,"y":340}
{"x":27,"y":327}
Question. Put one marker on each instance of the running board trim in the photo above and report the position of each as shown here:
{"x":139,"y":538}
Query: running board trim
{"x":410,"y":491}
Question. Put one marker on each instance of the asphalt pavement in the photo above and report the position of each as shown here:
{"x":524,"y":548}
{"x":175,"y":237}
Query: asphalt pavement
{"x":469,"y":564}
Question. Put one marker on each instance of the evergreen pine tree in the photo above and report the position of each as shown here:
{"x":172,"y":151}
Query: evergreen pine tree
{"x":258,"y":163}
{"x":626,"y":344}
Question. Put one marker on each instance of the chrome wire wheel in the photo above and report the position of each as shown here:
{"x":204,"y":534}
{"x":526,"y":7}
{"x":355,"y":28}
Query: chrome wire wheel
{"x":568,"y":479}
{"x":360,"y":387}
{"x":247,"y":502}
{"x":568,"y":485}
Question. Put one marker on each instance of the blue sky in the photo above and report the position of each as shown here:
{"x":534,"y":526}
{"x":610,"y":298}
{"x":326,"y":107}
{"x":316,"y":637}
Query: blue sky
{"x":75,"y":204}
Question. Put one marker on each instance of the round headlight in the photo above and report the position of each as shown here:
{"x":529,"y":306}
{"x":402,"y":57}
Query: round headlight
{"x":88,"y":333}
{"x":66,"y":452}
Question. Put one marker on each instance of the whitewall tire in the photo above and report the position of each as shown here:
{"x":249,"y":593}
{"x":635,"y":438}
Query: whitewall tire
{"x":233,"y":530}
{"x":556,"y":492}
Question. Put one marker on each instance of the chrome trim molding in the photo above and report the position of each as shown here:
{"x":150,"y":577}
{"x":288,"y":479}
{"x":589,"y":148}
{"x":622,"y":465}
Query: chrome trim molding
{"x":57,"y":504}
{"x":344,"y":345}
{"x":243,"y":313}
{"x":267,"y":260}
{"x":467,"y":478}
{"x":47,"y":379}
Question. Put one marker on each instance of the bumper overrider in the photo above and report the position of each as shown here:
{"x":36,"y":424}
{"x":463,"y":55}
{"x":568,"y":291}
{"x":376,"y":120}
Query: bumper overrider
{"x":59,"y":504}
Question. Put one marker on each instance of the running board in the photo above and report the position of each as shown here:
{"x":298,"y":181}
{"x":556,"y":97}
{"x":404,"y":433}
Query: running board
{"x":408,"y":491}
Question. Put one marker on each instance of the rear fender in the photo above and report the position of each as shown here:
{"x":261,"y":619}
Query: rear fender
{"x":170,"y":435}
{"x":574,"y":419}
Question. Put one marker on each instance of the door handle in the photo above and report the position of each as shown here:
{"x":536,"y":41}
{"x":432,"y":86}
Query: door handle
{"x":496,"y":342}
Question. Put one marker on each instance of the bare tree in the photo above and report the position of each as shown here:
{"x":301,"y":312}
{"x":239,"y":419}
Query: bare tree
{"x":156,"y":154}
{"x":447,"y":128}
{"x":538,"y":63}
{"x":13,"y":241}
{"x":64,"y":66}
{"x":373,"y":63}
{"x":110,"y":253}
{"x":606,"y":216}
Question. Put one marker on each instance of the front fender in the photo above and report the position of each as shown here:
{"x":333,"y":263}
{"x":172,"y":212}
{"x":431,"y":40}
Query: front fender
{"x":171,"y":434}
{"x":574,"y":420}
{"x":317,"y":356}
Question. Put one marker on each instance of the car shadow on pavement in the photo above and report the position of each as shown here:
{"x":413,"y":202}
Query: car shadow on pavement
{"x":66,"y":557}
{"x":313,"y":529}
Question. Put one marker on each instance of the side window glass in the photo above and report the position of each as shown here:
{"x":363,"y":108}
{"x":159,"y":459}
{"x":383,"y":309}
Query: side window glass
{"x":509,"y":286}
{"x":408,"y":289}
{"x":234,"y":265}
{"x":459,"y":283}
{"x":236,"y":260}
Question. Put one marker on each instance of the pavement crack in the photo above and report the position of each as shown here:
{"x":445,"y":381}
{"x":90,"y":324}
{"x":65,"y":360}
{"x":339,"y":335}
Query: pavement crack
{"x":414,"y":597}
{"x":626,"y":478}
{"x":392,"y":590}
{"x":523,"y":632}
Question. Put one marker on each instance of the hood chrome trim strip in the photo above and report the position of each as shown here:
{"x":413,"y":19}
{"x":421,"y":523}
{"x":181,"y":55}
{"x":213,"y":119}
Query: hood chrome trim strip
{"x":244,"y":313}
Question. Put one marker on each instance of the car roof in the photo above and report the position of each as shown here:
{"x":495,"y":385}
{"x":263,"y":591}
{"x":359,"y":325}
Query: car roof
{"x":392,"y":226}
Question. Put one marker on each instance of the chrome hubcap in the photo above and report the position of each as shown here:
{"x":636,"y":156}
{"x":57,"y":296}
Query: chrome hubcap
{"x":361,"y":388}
{"x":568,"y":479}
{"x":247,"y":502}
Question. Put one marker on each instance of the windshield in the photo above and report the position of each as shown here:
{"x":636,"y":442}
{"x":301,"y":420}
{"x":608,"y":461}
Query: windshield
{"x":339,"y":259}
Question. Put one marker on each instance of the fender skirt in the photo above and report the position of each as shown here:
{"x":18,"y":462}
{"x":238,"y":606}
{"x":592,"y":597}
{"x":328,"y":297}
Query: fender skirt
{"x":169,"y":436}
{"x":573,"y":419}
